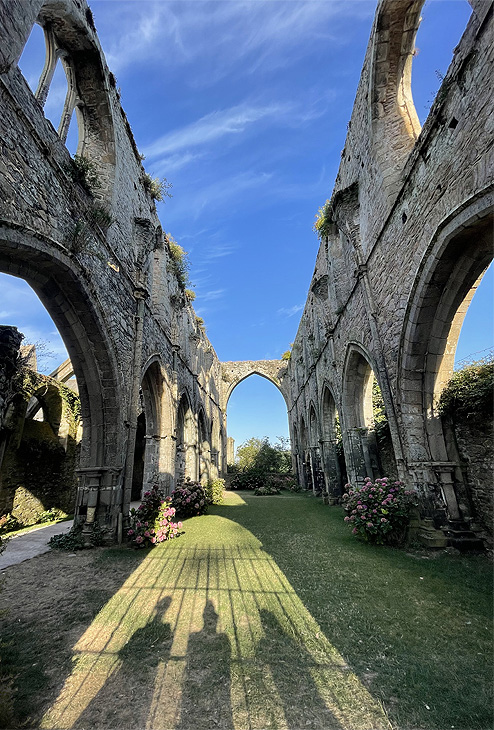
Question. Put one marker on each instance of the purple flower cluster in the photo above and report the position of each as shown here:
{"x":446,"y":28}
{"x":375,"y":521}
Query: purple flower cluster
{"x":189,"y":500}
{"x":378,"y":511}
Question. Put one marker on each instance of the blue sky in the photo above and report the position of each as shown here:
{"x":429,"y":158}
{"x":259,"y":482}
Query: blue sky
{"x":243,"y":106}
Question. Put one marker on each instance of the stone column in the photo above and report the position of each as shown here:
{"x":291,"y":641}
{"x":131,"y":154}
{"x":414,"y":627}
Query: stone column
{"x":332,"y":473}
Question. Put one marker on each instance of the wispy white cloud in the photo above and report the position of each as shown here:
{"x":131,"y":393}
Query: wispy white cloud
{"x":212,"y":127}
{"x":173,"y":163}
{"x":257,"y":33}
{"x":212,"y":295}
{"x":290,"y":311}
{"x":228,"y":191}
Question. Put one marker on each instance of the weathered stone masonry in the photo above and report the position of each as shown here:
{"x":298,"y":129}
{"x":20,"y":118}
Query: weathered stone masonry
{"x":107,"y":282}
{"x":409,"y":235}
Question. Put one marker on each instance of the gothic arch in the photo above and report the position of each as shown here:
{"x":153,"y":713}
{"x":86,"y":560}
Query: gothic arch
{"x":448,"y":276}
{"x":204,"y":446}
{"x":233,"y":373}
{"x":186,"y":440}
{"x":394,"y":123}
{"x":61,"y":288}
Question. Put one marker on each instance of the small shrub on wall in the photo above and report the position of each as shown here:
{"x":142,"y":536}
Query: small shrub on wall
{"x":379,"y":512}
{"x":189,"y":499}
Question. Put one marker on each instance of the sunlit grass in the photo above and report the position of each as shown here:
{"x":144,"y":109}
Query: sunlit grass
{"x":234,"y":646}
{"x":267,"y":613}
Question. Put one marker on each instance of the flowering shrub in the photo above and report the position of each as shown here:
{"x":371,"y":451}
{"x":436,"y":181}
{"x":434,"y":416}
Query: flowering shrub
{"x":248,"y":480}
{"x":152,"y":522}
{"x":378,"y":512}
{"x":266,"y":490}
{"x":189,"y":500}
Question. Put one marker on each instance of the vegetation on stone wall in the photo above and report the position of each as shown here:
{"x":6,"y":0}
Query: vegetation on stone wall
{"x":179,"y":263}
{"x":38,"y":467}
{"x":84,"y":172}
{"x":469,"y":393}
{"x":322,"y":223}
{"x":158,"y":189}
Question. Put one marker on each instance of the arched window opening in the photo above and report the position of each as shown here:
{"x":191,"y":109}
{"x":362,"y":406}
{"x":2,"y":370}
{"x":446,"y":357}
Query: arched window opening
{"x":33,"y":57}
{"x":204,"y":449}
{"x":186,"y":442}
{"x":443,"y":291}
{"x":305,"y":473}
{"x":333,"y":456}
{"x":35,"y":410}
{"x":367,"y":439}
{"x":55,"y":86}
{"x":314,"y":456}
{"x":139,"y":458}
{"x":440,"y":30}
{"x":65,"y":306}
{"x":256,"y":409}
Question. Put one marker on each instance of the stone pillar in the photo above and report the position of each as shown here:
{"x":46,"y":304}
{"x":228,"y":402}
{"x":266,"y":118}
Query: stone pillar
{"x":332,"y":473}
{"x":434,"y":483}
{"x":318,"y":482}
{"x":98,"y":499}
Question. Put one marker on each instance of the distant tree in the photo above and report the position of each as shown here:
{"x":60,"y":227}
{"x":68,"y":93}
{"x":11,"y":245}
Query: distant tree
{"x":262,"y":456}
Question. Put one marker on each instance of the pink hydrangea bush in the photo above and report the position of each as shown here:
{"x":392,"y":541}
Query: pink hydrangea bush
{"x":189,"y":499}
{"x":378,"y":512}
{"x":154,"y":521}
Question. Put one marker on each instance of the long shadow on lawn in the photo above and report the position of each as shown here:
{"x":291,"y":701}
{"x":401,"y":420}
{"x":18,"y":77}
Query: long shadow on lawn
{"x":49,"y":606}
{"x":415,"y":629}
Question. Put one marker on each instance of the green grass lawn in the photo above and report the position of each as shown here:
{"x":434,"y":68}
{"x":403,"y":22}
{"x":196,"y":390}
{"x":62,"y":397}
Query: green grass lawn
{"x":267,"y":613}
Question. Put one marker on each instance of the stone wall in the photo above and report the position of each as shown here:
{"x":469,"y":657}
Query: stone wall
{"x":40,"y":447}
{"x":474,"y":445}
{"x":100,"y":263}
{"x":407,"y":234}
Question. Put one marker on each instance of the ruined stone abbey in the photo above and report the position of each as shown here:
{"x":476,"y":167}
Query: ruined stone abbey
{"x":407,"y":237}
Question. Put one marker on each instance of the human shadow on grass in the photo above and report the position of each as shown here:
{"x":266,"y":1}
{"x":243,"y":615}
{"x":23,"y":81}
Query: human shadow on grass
{"x":292,"y":669}
{"x":206,"y":701}
{"x":125,"y":699}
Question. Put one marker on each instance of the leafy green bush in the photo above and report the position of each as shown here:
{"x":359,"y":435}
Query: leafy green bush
{"x":260,"y":456}
{"x":248,"y":480}
{"x":378,"y":512}
{"x":214,"y":491}
{"x":252,"y":479}
{"x":470,"y":391}
{"x":73,"y":540}
{"x":50,"y":515}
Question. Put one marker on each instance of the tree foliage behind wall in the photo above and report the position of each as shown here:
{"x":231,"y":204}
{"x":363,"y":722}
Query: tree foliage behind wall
{"x":261,"y":456}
